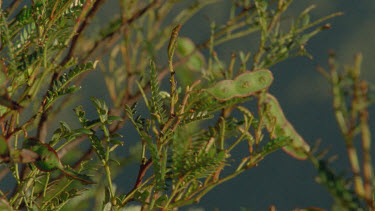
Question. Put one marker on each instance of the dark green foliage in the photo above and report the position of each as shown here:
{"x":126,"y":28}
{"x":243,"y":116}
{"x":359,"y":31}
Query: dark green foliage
{"x":25,"y":14}
{"x":194,"y":158}
{"x":338,"y":187}
{"x":29,"y":60}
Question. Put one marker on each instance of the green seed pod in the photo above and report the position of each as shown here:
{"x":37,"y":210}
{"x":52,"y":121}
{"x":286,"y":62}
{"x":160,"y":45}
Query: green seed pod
{"x":185,"y":46}
{"x":277,"y":124}
{"x":243,"y":85}
{"x":48,"y":159}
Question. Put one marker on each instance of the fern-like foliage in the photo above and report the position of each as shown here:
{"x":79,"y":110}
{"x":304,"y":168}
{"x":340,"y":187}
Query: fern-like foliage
{"x":29,"y":60}
{"x":137,"y":121}
{"x":31,"y":42}
{"x":59,"y":87}
{"x":156,"y":102}
{"x":194,"y":158}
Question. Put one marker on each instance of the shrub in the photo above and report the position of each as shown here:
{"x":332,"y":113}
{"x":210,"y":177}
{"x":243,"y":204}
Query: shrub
{"x":187,"y":137}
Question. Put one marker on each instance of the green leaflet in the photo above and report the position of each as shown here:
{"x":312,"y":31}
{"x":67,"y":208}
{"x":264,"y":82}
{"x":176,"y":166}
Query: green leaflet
{"x":279,"y":126}
{"x":242,"y":86}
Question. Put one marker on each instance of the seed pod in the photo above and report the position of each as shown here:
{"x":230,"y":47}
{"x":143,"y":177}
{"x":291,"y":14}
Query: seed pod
{"x":243,"y":85}
{"x":277,"y":124}
{"x":48,"y":159}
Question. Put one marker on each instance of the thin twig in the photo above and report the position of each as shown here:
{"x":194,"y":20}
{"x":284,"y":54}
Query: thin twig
{"x":111,"y":37}
{"x":87,"y":20}
{"x":42,"y":126}
{"x":366,"y":146}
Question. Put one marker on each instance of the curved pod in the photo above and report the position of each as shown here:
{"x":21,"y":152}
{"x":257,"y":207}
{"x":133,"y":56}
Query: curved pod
{"x":275,"y":121}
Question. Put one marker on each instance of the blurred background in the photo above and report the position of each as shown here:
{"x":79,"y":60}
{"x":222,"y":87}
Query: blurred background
{"x":302,"y":92}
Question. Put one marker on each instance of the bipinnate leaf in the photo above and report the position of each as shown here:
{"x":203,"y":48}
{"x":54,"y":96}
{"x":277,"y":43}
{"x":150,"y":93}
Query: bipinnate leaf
{"x":276,"y":122}
{"x":60,"y":86}
{"x":243,"y":85}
